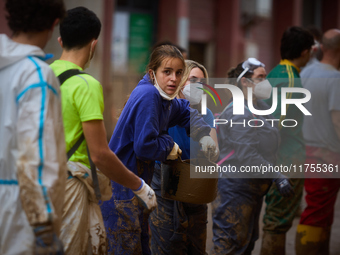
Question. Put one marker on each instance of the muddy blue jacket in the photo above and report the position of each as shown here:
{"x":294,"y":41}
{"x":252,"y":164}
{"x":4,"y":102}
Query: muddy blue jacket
{"x":140,"y":137}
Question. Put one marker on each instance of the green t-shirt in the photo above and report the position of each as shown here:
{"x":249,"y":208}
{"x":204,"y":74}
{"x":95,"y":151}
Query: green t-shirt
{"x":292,"y":147}
{"x":82,"y":100}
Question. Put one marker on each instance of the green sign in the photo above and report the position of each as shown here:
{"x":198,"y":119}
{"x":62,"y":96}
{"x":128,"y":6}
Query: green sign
{"x":140,"y":38}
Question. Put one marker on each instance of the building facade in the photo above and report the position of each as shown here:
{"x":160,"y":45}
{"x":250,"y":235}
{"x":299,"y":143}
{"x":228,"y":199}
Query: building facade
{"x":216,"y":33}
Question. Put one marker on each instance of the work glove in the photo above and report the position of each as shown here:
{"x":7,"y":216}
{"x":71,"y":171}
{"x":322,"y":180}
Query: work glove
{"x":175,"y":153}
{"x":46,"y":241}
{"x":284,"y":187}
{"x":146,"y":196}
{"x":209,"y":148}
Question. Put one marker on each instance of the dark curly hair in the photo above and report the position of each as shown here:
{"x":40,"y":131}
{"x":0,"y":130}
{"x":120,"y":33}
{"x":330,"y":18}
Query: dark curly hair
{"x":79,"y":27}
{"x":294,"y":41}
{"x":33,"y":15}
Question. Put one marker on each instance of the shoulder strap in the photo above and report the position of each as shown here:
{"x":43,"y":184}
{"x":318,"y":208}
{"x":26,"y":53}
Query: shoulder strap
{"x":94,"y":177}
{"x":75,"y":147}
{"x":68,"y":74}
{"x":62,"y":78}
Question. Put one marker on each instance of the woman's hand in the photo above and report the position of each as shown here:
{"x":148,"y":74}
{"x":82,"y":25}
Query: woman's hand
{"x":209,"y":148}
{"x":175,"y":153}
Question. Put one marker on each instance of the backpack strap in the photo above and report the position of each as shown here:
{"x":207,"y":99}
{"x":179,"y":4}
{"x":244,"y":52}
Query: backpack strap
{"x":94,"y":177}
{"x":68,"y":74}
{"x":62,"y":78}
{"x":75,"y":146}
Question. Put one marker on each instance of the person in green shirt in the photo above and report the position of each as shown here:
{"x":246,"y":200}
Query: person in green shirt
{"x":82,"y":109}
{"x":296,"y":44}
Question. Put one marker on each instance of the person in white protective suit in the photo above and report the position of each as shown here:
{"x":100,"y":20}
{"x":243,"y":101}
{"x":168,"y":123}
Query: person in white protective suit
{"x":32,"y":150}
{"x":82,"y":229}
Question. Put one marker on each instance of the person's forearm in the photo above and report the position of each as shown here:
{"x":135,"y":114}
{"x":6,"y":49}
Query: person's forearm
{"x":110,"y":165}
{"x":106,"y":161}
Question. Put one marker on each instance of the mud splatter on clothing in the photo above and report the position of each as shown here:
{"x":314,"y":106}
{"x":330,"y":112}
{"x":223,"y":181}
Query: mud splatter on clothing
{"x":236,"y":212}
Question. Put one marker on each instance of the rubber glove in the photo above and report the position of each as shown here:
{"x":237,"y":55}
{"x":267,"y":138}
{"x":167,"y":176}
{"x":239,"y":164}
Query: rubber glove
{"x":209,"y":148}
{"x":175,"y":153}
{"x":146,"y":196}
{"x":46,"y":241}
{"x":284,"y":187}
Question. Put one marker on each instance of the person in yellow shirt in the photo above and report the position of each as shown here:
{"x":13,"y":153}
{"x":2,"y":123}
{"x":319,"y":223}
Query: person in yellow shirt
{"x":82,"y":108}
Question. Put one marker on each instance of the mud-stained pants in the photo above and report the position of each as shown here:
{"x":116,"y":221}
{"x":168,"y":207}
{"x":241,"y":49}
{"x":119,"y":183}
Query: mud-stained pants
{"x":125,"y":222}
{"x":278,"y":218}
{"x":280,"y":211}
{"x":236,"y":213}
{"x":313,"y":232}
{"x":177,"y":228}
{"x":126,"y":227}
{"x":321,"y":192}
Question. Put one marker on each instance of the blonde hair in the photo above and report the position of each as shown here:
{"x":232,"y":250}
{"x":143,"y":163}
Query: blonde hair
{"x":190,"y":64}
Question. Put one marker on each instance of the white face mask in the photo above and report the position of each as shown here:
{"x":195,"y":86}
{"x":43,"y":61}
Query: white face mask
{"x":193,"y":93}
{"x":162,"y":93}
{"x":87,"y":64}
{"x":263,"y":90}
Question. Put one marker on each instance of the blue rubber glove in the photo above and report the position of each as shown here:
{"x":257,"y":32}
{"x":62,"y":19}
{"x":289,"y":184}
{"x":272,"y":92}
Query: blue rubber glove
{"x":47,"y":242}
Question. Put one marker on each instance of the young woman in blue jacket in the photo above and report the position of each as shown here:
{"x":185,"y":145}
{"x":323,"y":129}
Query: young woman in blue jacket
{"x":140,"y":138}
{"x":176,"y":227}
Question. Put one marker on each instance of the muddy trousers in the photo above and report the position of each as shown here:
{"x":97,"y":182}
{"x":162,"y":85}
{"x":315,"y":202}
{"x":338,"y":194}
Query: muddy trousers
{"x":176,"y":228}
{"x":278,"y":218}
{"x":126,"y":227}
{"x":313,"y":232}
{"x":125,"y":222}
{"x":236,"y":213}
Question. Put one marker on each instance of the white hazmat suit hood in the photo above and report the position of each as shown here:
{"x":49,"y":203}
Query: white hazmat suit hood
{"x":13,"y":52}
